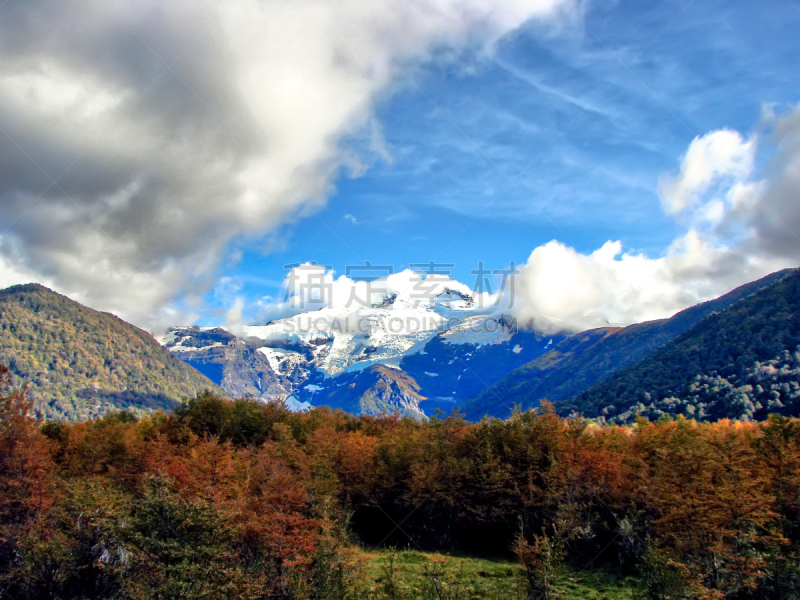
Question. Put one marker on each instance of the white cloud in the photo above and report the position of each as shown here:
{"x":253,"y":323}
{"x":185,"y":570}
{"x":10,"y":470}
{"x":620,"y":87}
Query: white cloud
{"x":309,"y":287}
{"x":233,"y":317}
{"x":351,"y":219}
{"x":163,"y":168}
{"x":160,"y":184}
{"x":712,"y":157}
{"x":741,"y":222}
{"x":562,"y":289}
{"x":406,"y":296}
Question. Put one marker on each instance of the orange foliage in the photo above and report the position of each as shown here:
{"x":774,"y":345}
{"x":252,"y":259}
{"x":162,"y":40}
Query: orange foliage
{"x":717,"y":506}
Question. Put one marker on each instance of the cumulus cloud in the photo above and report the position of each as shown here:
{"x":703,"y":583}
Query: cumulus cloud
{"x":310,"y":286}
{"x":562,"y":289}
{"x":123,"y":180}
{"x":711,"y":159}
{"x":770,"y":207}
{"x":742,"y":222}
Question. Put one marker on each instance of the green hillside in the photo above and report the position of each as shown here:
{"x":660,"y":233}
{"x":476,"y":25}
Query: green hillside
{"x":79,"y":363}
{"x":411,"y":574}
{"x":586,"y":359}
{"x":740,"y":363}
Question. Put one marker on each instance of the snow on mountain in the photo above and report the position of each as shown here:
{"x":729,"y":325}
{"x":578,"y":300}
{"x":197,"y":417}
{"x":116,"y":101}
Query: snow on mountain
{"x":479,"y":330}
{"x":285,"y":362}
{"x":312,"y":357}
{"x":350,"y":339}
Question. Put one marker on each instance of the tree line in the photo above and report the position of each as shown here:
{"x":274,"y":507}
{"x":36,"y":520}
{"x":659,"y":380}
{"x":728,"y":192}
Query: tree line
{"x":241,"y":499}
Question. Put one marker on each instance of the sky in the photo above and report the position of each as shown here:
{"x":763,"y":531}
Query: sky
{"x":166,"y":163}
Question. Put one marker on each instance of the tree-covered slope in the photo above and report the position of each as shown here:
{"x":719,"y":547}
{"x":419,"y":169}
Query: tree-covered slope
{"x":79,"y":363}
{"x":526,"y":385}
{"x":586,"y":359}
{"x":741,"y":363}
{"x":451,"y":373}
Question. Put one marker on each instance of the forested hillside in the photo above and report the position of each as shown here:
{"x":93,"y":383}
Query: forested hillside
{"x":586,"y":359}
{"x":740,"y":363}
{"x":79,"y":363}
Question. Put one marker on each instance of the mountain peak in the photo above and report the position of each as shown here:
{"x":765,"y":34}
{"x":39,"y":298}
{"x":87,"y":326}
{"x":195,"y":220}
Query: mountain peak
{"x":28,"y":288}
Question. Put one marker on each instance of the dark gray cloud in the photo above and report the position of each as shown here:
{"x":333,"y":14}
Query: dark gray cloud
{"x":775,"y":216}
{"x":158,"y":168}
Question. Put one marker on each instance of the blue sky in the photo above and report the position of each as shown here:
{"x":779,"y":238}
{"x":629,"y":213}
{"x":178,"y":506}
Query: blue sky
{"x":558,"y":135}
{"x":145,"y":148}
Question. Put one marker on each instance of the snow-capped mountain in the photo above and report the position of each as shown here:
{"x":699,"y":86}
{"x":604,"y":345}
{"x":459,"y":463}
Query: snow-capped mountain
{"x":442,"y":351}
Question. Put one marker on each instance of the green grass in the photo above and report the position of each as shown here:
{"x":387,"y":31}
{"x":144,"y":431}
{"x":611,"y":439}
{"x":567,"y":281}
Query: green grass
{"x":414,"y":574}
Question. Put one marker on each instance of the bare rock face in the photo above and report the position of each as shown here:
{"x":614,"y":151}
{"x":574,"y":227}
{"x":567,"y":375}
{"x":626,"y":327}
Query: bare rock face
{"x":241,"y":367}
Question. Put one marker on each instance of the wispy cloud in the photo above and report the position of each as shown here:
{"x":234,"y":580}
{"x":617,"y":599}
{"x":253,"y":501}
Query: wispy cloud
{"x":560,"y":95}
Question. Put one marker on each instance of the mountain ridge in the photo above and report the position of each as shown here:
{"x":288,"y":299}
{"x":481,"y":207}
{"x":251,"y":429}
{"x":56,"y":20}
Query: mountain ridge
{"x":80,"y":363}
{"x":569,"y":369}
{"x":740,"y":363}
